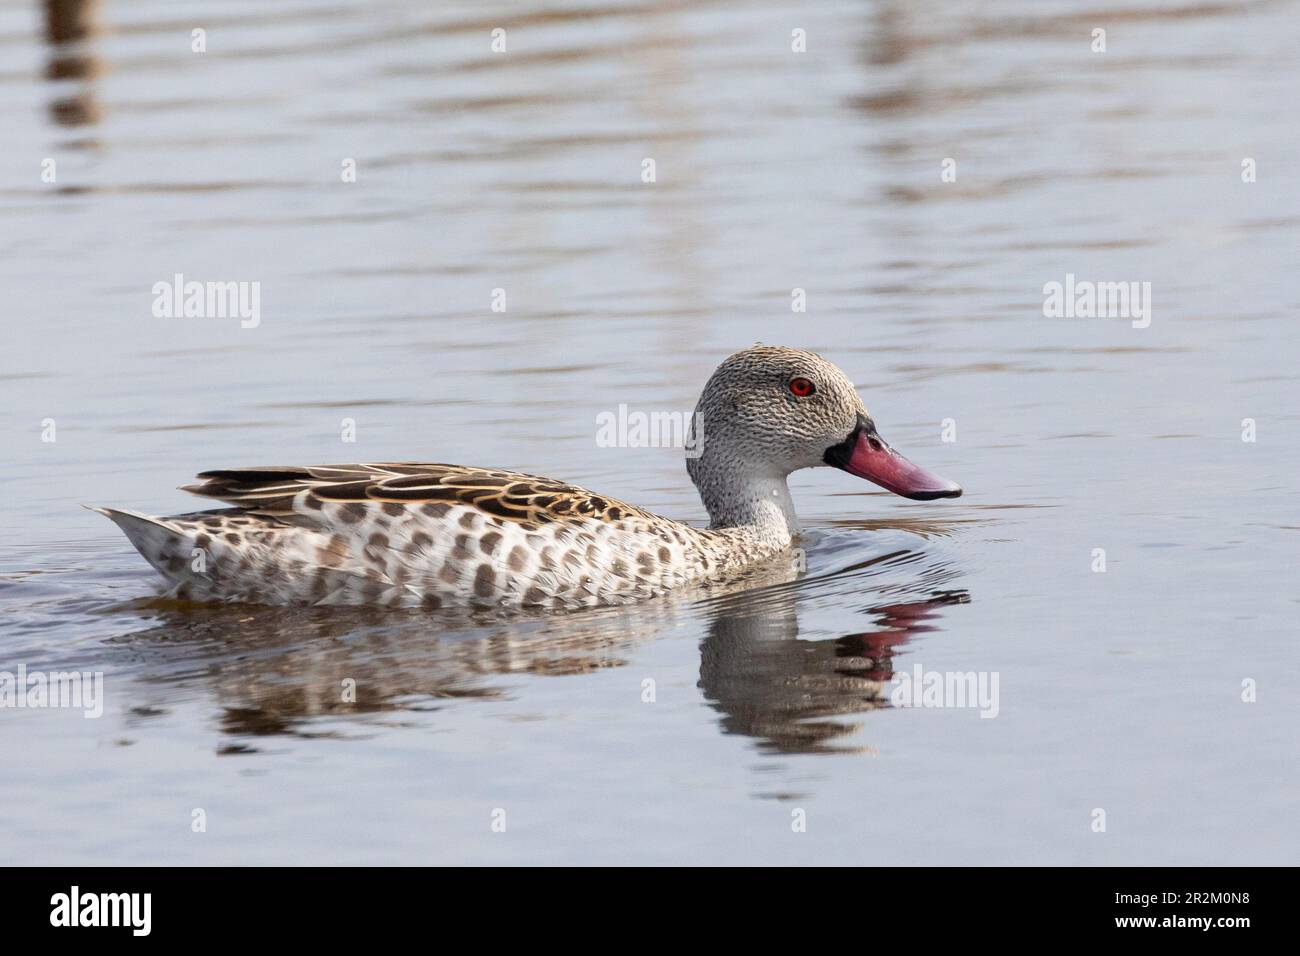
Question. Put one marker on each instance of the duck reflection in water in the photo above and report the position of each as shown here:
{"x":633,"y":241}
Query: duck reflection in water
{"x":769,"y":684}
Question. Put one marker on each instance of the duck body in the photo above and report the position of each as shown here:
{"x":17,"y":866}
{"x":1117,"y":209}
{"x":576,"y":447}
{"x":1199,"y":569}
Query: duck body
{"x":425,"y":535}
{"x":413,"y":534}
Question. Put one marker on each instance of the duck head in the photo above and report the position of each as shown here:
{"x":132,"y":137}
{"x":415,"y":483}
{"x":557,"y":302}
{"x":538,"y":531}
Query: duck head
{"x":768,"y":411}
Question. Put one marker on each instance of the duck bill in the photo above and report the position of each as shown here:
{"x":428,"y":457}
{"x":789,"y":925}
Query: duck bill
{"x":866,"y":454}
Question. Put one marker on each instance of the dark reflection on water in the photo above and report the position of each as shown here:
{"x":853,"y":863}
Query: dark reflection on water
{"x":275,"y":670}
{"x":70,"y":26}
{"x":769,"y":683}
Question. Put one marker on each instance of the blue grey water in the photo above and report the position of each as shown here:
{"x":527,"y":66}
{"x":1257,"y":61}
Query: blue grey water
{"x":1160,"y":691}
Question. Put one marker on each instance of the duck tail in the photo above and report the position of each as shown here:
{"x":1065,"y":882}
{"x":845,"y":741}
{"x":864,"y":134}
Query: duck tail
{"x":164,"y":545}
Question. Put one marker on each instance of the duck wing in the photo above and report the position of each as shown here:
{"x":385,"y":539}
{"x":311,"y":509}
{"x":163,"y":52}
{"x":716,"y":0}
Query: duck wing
{"x":527,"y":499}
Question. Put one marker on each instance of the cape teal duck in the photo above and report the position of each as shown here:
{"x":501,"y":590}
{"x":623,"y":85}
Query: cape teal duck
{"x":413,"y":534}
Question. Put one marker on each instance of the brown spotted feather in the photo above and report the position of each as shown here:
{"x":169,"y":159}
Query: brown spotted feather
{"x":418,"y":534}
{"x":507,"y":495}
{"x":422,"y":535}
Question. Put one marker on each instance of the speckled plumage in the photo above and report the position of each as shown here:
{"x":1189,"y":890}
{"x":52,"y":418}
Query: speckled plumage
{"x":420,"y":535}
{"x":410,"y":534}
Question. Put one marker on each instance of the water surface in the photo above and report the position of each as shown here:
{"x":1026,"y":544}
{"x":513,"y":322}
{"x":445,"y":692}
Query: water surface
{"x":775,"y":170}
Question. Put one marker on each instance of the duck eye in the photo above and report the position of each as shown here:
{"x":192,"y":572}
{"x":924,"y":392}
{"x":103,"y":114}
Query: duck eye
{"x":802,"y":387}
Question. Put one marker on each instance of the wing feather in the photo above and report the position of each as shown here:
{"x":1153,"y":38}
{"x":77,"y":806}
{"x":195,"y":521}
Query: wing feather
{"x":500,"y":494}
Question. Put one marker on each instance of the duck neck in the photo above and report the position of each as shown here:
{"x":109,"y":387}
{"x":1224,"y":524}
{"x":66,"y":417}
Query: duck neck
{"x":754,"y":500}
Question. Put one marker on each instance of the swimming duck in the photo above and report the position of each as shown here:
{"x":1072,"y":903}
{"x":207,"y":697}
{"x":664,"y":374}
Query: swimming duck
{"x":413,"y":534}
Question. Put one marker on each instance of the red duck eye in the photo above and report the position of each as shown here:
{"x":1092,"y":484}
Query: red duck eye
{"x":802,"y":387}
